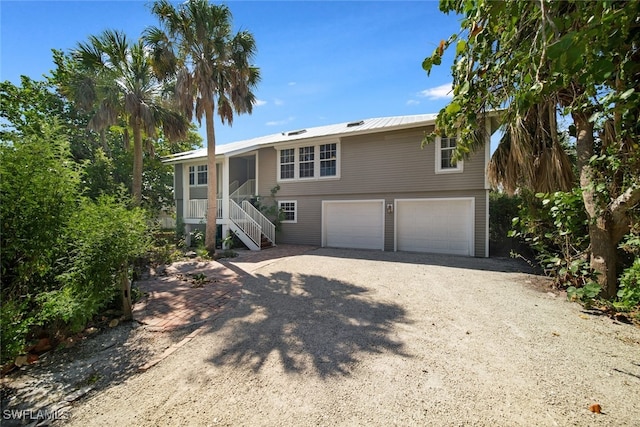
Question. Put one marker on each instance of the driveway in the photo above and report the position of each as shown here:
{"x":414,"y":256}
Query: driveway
{"x":341,"y":337}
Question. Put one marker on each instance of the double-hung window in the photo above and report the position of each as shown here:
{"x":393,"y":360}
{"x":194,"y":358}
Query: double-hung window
{"x":288,"y":210}
{"x":287,"y":163}
{"x":328,"y":159}
{"x":309,"y":162}
{"x":306,"y":161}
{"x":445,"y":147}
{"x":197,"y":175}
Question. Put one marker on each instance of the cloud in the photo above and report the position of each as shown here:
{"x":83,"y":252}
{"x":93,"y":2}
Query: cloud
{"x":259,"y":103}
{"x":413,"y":102}
{"x":439,"y":92}
{"x":278,"y":102}
{"x":292,"y":83}
{"x":280,"y":122}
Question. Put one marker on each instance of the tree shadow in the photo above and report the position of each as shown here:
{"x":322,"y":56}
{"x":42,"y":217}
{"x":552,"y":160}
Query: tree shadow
{"x":497,"y":264}
{"x":313,"y":324}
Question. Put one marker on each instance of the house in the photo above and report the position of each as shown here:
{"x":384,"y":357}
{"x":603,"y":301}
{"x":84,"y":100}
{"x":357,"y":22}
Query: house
{"x":366,"y":184}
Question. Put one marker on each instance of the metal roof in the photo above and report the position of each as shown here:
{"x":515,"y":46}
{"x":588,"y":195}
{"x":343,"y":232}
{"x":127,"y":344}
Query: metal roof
{"x":336,"y":130}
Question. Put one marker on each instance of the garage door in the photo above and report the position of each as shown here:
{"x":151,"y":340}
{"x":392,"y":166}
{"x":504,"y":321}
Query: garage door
{"x":353,"y":224}
{"x":435,"y":225}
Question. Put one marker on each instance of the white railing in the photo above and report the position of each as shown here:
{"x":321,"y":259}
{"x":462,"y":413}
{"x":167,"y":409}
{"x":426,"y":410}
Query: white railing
{"x":242,"y":219}
{"x":268,"y":228}
{"x":245,"y":191}
{"x":198,"y":208}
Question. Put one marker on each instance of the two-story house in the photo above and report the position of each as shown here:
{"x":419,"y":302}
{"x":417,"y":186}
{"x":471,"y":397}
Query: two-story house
{"x":366,"y":184}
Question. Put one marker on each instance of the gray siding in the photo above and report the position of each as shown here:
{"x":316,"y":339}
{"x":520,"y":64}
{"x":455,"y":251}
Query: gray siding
{"x":308,"y":229}
{"x":389,"y":166}
{"x":177,"y":190}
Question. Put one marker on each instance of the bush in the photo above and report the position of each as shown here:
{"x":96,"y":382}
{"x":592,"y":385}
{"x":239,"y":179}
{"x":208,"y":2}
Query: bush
{"x":104,"y":238}
{"x":14,"y":329}
{"x":629,"y":292}
{"x":555,"y":226}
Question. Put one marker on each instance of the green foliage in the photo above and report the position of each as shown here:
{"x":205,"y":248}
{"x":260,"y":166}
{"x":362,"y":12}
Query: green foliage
{"x":502,"y":209}
{"x":538,"y":61}
{"x":38,"y":189}
{"x":586,"y":293}
{"x":14,"y":328}
{"x":555,"y":226}
{"x":103,"y":238}
{"x":629,"y":292}
{"x":269,"y":207}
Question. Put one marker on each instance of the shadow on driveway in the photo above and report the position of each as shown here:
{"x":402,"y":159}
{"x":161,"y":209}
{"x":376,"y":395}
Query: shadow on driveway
{"x":313,"y":324}
{"x":505,"y":265}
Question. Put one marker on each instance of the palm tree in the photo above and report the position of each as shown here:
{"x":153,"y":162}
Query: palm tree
{"x":209,"y":65}
{"x":116,"y":82}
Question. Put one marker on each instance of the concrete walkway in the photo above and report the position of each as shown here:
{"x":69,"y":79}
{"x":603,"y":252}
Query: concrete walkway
{"x":192,"y":292}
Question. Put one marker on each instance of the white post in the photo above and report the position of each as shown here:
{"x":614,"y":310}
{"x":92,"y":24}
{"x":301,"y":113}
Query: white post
{"x":225,"y":189}
{"x":185,"y":190}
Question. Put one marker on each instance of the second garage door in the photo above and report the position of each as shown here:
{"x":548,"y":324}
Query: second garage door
{"x":435,"y":225}
{"x":353,"y":224}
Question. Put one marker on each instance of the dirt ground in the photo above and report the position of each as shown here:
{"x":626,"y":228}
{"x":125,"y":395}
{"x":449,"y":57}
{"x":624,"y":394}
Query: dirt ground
{"x":338,"y":337}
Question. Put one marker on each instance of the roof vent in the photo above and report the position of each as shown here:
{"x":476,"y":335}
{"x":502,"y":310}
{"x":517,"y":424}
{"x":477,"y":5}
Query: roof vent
{"x":296,"y":132}
{"x":352,"y":124}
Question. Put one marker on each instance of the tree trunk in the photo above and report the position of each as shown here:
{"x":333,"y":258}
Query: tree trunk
{"x":212,"y":185}
{"x":125,"y":292}
{"x":603,"y":243}
{"x":137,"y":162}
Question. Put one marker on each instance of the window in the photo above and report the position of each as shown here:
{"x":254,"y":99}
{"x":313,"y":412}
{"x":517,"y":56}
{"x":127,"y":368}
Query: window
{"x":287,"y":163}
{"x":288,"y":209}
{"x":328,"y":156}
{"x":197,"y":175}
{"x":445,"y":146}
{"x":309,"y":162}
{"x":306,"y":161}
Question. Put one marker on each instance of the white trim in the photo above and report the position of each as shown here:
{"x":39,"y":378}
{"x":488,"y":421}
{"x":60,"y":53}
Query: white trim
{"x":323,"y":230}
{"x":438,"y":199}
{"x":439,"y":170}
{"x":486,"y":217}
{"x":295,"y":211}
{"x":257,"y":172}
{"x":316,"y":160}
{"x":195,"y":171}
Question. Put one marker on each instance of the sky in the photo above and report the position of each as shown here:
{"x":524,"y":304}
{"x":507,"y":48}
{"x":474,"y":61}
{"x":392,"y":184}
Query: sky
{"x":321,"y":62}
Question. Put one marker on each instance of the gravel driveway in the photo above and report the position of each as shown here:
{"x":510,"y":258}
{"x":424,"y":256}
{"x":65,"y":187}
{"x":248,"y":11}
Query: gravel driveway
{"x":338,"y":337}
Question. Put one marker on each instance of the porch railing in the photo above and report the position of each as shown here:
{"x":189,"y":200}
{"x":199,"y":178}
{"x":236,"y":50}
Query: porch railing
{"x":247,"y":224}
{"x":243,"y":192}
{"x":198,"y":208}
{"x":267,"y":227}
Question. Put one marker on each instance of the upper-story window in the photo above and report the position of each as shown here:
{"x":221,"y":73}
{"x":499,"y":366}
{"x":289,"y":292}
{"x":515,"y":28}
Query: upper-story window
{"x":197,"y":175}
{"x":287,"y":163}
{"x":445,"y":146}
{"x":328,"y":159}
{"x":308,"y":162}
{"x":307,"y":155}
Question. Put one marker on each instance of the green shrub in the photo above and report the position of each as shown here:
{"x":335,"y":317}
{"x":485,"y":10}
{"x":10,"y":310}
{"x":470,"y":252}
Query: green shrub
{"x":629,"y":292}
{"x":14,"y":329}
{"x":38,"y":190}
{"x":555,"y":226}
{"x":104,"y":238}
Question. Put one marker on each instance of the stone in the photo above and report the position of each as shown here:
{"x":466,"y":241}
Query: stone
{"x":114,"y":323}
{"x":21,"y":361}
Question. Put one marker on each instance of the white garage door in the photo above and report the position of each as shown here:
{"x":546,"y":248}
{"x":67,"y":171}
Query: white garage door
{"x":435,"y":225}
{"x":353,"y":224}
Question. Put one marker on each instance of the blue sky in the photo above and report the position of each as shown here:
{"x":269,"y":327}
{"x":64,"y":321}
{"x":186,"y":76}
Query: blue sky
{"x":321,"y":62}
